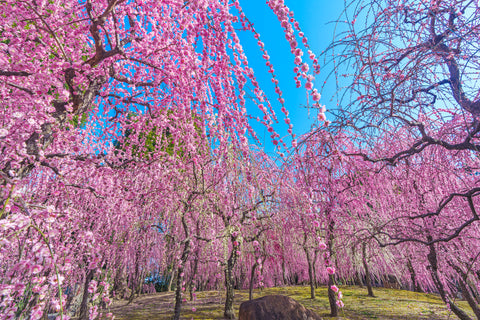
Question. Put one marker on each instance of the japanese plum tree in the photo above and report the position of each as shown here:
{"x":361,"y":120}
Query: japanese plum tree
{"x":363,"y":258}
{"x":110,"y":58}
{"x":398,"y":206}
{"x":76,"y":235}
{"x":415,"y":67}
{"x":302,"y":223}
{"x":412,"y":102}
{"x":241,"y":205}
{"x":415,"y":79}
{"x":319,"y":176}
{"x":71,"y":73}
{"x":411,"y":192}
{"x":187,"y":206}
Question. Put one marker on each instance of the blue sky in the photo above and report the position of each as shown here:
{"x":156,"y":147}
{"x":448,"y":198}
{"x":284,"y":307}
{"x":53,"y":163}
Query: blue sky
{"x":314,"y":17}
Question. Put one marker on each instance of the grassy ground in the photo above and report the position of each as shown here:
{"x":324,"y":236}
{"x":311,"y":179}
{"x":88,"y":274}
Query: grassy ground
{"x":388,"y":304}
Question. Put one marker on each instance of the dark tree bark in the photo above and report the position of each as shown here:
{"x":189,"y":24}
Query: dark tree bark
{"x":314,"y":263}
{"x":469,"y":297}
{"x":70,"y":297}
{"x":310,"y":266}
{"x":368,"y":279}
{"x":180,"y":277}
{"x":170,"y":281}
{"x":252,"y":277}
{"x":194,"y":272}
{"x":433,"y":261}
{"x":332,"y":296}
{"x":464,"y":287}
{"x":84,"y":304}
{"x":284,"y":272}
{"x":230,"y":294}
{"x":310,"y":275}
{"x":134,"y":278}
{"x":358,"y":279}
{"x":183,"y":261}
{"x":243,"y":276}
{"x":413,"y":277}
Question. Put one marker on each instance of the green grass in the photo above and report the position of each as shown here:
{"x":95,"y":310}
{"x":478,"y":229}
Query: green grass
{"x":389,"y":304}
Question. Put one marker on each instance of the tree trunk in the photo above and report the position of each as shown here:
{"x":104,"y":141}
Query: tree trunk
{"x":359,"y":279}
{"x":432,"y":259}
{"x":464,"y":287}
{"x":180,"y":269}
{"x":178,"y":294}
{"x":180,"y":277}
{"x":119,"y":283}
{"x":70,"y":297}
{"x":243,"y":276}
{"x":192,"y":277}
{"x":230,"y":294}
{"x":141,"y":283}
{"x":84,"y":305}
{"x":368,"y":280}
{"x":415,"y":285}
{"x":310,"y":267}
{"x":469,"y":297}
{"x":284,"y":272}
{"x":170,"y":281}
{"x":315,"y":258}
{"x":134,"y":278}
{"x":310,"y":273}
{"x":252,"y":276}
{"x":332,"y":297}
{"x":355,"y":277}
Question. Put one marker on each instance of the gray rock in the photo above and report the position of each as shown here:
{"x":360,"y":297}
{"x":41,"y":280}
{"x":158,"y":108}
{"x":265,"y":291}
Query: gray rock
{"x":275,"y":307}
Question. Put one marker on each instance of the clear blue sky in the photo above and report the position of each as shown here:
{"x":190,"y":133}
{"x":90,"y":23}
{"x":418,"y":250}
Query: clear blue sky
{"x":314,"y":17}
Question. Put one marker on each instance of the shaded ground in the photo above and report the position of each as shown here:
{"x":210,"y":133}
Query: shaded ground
{"x":388,"y":304}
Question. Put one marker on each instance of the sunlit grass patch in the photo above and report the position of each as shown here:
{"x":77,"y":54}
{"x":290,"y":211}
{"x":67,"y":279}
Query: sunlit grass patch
{"x":391,"y":304}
